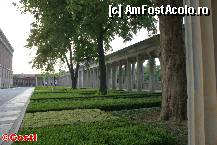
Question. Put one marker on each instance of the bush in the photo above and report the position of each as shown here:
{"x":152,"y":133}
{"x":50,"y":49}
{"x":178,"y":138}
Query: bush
{"x":103,"y":104}
{"x":101,"y":133}
{"x":87,"y":95}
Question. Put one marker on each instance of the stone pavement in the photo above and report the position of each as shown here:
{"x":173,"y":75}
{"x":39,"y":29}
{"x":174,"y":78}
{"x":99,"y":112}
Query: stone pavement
{"x":12,"y":111}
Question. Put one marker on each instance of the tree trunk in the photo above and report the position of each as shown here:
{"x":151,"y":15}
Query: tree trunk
{"x":102,"y":67}
{"x":73,"y":78}
{"x":76,"y":74}
{"x":173,"y":66}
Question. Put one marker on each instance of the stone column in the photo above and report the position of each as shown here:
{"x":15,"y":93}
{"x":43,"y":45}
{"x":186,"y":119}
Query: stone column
{"x":139,"y":73}
{"x":88,"y":78}
{"x":201,"y":64}
{"x":125,"y":76}
{"x":0,"y":76}
{"x":36,"y":81}
{"x":120,"y":82}
{"x":129,"y":83}
{"x":97,"y":77}
{"x":82,"y":78}
{"x":133,"y":75}
{"x":151,"y":74}
{"x":113,"y":76}
{"x":108,"y":73}
{"x":94,"y":77}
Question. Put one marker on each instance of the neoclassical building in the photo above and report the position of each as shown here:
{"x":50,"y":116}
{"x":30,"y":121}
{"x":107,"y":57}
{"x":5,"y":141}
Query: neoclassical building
{"x":124,"y":69}
{"x":6,"y":55}
{"x":201,"y":61}
{"x":32,"y":80}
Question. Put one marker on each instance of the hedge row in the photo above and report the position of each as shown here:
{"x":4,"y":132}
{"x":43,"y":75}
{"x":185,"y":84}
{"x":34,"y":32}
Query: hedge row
{"x":103,"y":104}
{"x":101,"y":133}
{"x":42,"y":96}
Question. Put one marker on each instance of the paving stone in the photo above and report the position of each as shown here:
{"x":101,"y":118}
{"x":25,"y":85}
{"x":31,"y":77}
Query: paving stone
{"x":12,"y":109}
{"x":9,"y":113}
{"x":5,"y":128}
{"x":10,"y":118}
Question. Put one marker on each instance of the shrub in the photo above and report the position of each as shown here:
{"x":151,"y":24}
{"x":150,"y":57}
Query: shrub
{"x":101,"y":133}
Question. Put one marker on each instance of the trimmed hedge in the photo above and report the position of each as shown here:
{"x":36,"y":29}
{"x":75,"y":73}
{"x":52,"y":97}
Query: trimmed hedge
{"x":103,"y":104}
{"x":101,"y":133}
{"x":59,"y":95}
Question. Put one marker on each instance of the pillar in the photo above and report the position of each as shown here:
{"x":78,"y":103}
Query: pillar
{"x":125,"y":76}
{"x":139,"y":73}
{"x":88,"y":78}
{"x":120,"y":80}
{"x":113,"y":76}
{"x":129,"y":85}
{"x":82,"y":78}
{"x":36,"y":81}
{"x":91,"y":78}
{"x":133,"y":75}
{"x":108,"y":73}
{"x":151,"y":64}
{"x":201,"y":64}
{"x":94,"y":77}
{"x":97,"y":70}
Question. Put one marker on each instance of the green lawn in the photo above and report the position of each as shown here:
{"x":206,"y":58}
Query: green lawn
{"x":82,"y":117}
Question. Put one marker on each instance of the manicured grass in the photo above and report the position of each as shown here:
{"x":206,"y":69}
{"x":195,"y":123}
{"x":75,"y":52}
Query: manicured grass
{"x":74,"y":95}
{"x":101,"y":133}
{"x":103,"y":104}
{"x":43,"y":119}
{"x":63,"y":116}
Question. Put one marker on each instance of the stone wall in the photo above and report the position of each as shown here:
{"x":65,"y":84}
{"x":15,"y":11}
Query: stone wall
{"x":6,"y":55}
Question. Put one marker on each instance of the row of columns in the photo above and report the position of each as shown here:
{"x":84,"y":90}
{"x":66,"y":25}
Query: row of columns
{"x":201,"y":63}
{"x":24,"y":82}
{"x":88,"y":78}
{"x":6,"y":77}
{"x":126,"y":74}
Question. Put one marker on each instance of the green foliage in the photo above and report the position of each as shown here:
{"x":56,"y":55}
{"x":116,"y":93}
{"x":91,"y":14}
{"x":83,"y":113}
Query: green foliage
{"x":103,"y":104}
{"x":42,"y":119}
{"x":95,"y":21}
{"x":103,"y":133}
{"x":87,"y":95}
{"x":139,"y":115}
{"x":156,"y":70}
{"x":94,"y":126}
{"x":53,"y":32}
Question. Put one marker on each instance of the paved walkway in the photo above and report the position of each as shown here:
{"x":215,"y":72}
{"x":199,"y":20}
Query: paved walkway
{"x":13,"y":103}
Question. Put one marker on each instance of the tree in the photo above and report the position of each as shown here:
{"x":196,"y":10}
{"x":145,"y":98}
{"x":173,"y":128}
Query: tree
{"x":91,"y":18}
{"x":95,"y":22}
{"x":53,"y":33}
{"x":173,"y":65}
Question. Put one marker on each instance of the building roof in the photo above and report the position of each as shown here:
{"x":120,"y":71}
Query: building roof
{"x":5,"y":41}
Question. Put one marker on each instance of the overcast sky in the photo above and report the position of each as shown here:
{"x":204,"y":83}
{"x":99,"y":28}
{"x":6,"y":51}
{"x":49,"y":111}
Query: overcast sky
{"x":16,"y":27}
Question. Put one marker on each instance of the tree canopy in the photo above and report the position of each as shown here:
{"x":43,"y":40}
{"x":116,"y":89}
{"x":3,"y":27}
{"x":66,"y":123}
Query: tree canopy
{"x":84,"y":25}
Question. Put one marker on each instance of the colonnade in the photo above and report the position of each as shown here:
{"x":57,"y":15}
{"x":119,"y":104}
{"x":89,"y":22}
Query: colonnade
{"x":6,"y":77}
{"x":126,"y":74}
{"x":124,"y":69}
{"x":201,"y":56}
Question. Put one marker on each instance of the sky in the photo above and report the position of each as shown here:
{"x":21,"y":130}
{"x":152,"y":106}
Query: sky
{"x":16,"y":27}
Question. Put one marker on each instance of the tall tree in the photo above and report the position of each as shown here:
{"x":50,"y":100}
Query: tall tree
{"x":92,"y":20}
{"x":95,"y":22}
{"x":173,"y":64}
{"x":53,"y":34}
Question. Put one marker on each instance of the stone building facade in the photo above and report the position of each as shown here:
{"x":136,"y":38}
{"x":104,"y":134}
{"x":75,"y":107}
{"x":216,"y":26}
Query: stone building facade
{"x":6,"y":55}
{"x":32,"y":80}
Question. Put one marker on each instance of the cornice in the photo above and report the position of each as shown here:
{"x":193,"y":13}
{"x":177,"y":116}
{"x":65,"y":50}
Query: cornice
{"x":5,"y":42}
